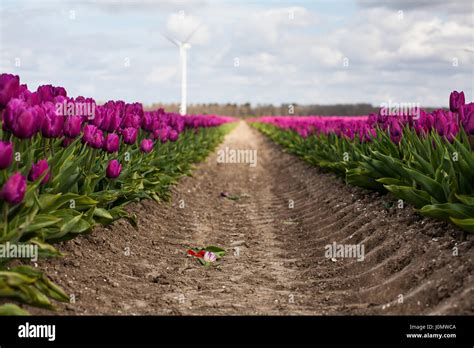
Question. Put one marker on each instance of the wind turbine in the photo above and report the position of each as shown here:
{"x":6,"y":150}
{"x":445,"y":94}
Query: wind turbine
{"x":183,"y":47}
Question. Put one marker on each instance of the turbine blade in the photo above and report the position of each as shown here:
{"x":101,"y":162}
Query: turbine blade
{"x":192,"y":33}
{"x":173,"y":41}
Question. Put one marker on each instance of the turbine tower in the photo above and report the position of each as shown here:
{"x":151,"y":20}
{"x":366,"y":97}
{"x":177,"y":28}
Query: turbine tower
{"x":183,"y":47}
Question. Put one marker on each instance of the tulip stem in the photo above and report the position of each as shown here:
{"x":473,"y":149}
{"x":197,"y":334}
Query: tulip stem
{"x":5,"y":219}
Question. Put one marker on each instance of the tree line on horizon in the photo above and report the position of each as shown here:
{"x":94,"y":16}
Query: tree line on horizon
{"x":249,"y":110}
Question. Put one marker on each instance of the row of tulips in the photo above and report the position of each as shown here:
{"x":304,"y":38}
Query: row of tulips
{"x":68,"y":164}
{"x":423,"y":158}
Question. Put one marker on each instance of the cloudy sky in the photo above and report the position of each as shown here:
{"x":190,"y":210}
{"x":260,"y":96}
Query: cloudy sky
{"x":318,"y":51}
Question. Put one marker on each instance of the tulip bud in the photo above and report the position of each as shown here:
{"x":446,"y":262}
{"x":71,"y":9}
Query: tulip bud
{"x":14,"y":108}
{"x":88,"y":136}
{"x":72,"y":126}
{"x":9,"y":88}
{"x":53,"y":124}
{"x":46,"y":93}
{"x":37,"y":170}
{"x":6,"y":154}
{"x":173,"y":135}
{"x":112,"y":142}
{"x":146,"y":145}
{"x":113,"y":169}
{"x":25,"y":125}
{"x":456,"y":100}
{"x":162,"y":134}
{"x":13,"y":191}
{"x":466,"y":113}
{"x":97,"y":140}
{"x":395,"y":130}
{"x":129,"y":135}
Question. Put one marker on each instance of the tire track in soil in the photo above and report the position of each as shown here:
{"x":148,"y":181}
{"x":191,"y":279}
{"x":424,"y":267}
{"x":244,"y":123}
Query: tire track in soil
{"x":275,"y":262}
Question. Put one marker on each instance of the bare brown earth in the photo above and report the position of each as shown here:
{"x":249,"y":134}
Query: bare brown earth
{"x":276,"y":260}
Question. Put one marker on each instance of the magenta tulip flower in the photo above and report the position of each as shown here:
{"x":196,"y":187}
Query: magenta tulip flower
{"x":161,"y":134}
{"x":38,"y":169}
{"x":129,"y":135}
{"x":93,"y":136}
{"x":9,"y":88}
{"x":46,"y":93}
{"x":395,"y":129}
{"x":13,"y":191}
{"x":113,"y":169}
{"x":72,"y":126}
{"x":112,"y":142}
{"x":89,"y":131}
{"x":146,"y":145}
{"x":53,"y":124}
{"x":25,"y":125}
{"x":111,"y":120}
{"x":6,"y":154}
{"x":466,"y":114}
{"x":147,"y":122}
{"x":456,"y":100}
{"x":173,"y":135}
{"x":98,"y":140}
{"x":14,"y":108}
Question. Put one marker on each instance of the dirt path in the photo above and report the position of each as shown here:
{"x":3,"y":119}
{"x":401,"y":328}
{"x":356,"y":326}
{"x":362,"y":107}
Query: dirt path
{"x":276,"y":260}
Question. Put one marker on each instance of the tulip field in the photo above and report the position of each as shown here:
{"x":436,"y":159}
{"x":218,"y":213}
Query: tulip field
{"x":425,"y":159}
{"x":68,"y":165}
{"x":80,"y":182}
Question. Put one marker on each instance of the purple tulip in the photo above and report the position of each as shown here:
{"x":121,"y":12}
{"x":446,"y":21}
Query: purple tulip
{"x":456,"y":100}
{"x":52,"y":124}
{"x":46,"y":93}
{"x":161,"y":134}
{"x":112,"y":142}
{"x":25,"y":125}
{"x":9,"y":88}
{"x":129,"y":135}
{"x":146,"y":145}
{"x":395,"y":129}
{"x":131,"y":120}
{"x":466,"y":114}
{"x":98,"y":140}
{"x":445,"y":124}
{"x":14,"y":108}
{"x":173,"y":135}
{"x":31,"y":98}
{"x":6,"y":154}
{"x":113,"y":169}
{"x":89,"y":131}
{"x":147,"y":122}
{"x":111,"y":120}
{"x":72,"y":126}
{"x":13,"y":191}
{"x":38,"y":169}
